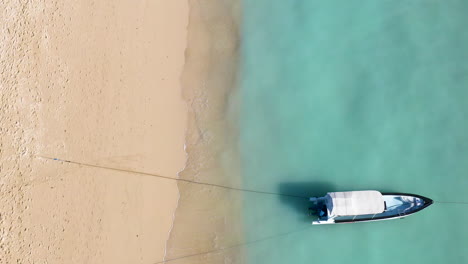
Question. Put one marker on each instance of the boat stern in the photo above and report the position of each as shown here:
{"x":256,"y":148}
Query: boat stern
{"x":323,"y":222}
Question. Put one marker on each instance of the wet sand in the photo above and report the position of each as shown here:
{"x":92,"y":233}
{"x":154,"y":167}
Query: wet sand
{"x":208,"y":222}
{"x":97,"y":83}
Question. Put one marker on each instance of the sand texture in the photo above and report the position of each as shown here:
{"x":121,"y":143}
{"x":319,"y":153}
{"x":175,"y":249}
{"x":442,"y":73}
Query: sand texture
{"x":94,"y":82}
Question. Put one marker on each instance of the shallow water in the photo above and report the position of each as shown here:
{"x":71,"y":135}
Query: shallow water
{"x":208,"y":218}
{"x":338,"y":96}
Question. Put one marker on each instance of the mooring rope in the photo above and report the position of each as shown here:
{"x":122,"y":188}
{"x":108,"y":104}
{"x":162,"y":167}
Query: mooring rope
{"x":236,"y":245}
{"x":200,"y":183}
{"x":450,"y":202}
{"x":174,"y":179}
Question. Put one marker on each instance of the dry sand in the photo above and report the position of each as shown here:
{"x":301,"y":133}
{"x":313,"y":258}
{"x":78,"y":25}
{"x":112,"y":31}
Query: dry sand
{"x":95,"y":82}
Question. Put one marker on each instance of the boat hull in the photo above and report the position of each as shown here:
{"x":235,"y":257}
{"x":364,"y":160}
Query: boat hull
{"x":398,"y":205}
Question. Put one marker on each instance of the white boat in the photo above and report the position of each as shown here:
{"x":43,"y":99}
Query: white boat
{"x":365,"y":206}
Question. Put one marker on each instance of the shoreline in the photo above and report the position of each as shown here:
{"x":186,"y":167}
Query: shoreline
{"x":177,"y":204}
{"x":209,"y":218}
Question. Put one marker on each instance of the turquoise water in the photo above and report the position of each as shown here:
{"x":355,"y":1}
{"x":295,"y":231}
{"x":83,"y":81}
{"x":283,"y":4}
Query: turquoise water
{"x":344,"y":95}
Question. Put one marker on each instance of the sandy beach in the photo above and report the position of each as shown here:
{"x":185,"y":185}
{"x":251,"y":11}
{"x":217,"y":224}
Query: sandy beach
{"x":94,"y":83}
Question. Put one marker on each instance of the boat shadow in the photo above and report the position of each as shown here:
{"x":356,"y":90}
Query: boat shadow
{"x":296,"y":194}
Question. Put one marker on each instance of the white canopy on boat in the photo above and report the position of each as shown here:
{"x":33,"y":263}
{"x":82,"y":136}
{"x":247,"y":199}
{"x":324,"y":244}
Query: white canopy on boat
{"x":354,"y":203}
